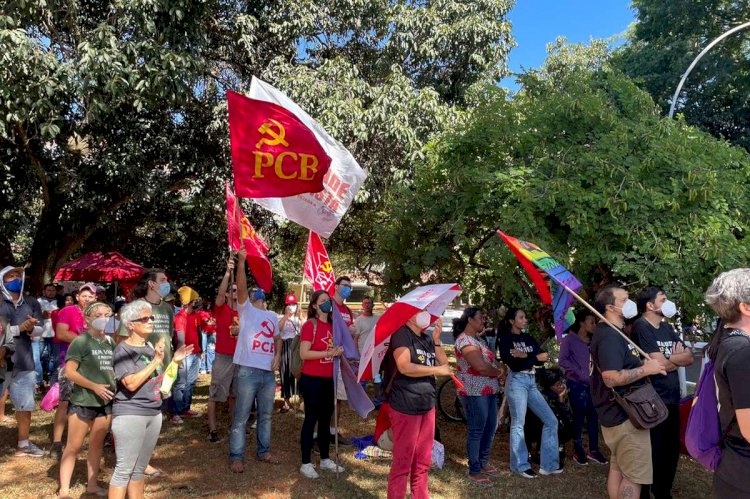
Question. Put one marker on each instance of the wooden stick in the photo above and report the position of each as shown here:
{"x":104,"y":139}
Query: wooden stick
{"x":604,"y":319}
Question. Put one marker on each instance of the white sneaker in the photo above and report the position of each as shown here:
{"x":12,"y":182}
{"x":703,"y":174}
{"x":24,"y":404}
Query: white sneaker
{"x":327,"y":464}
{"x":308,"y":471}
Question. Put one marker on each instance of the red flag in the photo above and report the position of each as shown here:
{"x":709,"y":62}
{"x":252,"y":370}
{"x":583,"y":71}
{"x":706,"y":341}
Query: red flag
{"x":318,"y":268}
{"x":274,"y":154}
{"x":242,"y":232}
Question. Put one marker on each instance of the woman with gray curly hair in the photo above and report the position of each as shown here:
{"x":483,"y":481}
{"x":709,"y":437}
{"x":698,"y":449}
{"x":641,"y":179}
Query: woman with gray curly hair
{"x":137,"y":407}
{"x":729,"y":297}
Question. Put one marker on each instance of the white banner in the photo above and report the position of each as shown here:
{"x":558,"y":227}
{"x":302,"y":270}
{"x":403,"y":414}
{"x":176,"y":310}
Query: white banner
{"x":320,"y":212}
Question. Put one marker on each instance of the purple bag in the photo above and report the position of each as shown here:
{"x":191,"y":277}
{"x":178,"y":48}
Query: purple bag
{"x":703,"y":437}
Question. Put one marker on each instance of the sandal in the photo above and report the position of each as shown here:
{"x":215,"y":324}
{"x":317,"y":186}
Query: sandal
{"x":481,"y":481}
{"x":96,"y":493}
{"x":155,"y":474}
{"x":268,"y":459}
{"x":489,"y":471}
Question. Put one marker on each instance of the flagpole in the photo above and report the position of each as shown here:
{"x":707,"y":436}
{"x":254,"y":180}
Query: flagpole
{"x":335,"y":415}
{"x":604,"y":319}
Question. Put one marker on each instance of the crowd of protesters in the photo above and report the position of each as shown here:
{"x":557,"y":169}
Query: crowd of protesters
{"x":109,"y":365}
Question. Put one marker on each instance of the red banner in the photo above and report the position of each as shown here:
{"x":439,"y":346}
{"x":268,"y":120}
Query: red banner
{"x":274,"y":154}
{"x":318,"y":268}
{"x":240,"y":232}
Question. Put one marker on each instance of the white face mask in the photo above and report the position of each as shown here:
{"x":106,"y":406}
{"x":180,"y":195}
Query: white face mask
{"x":668,"y":309}
{"x":422,"y":319}
{"x":293,"y":308}
{"x":100,"y":323}
{"x":630,"y":309}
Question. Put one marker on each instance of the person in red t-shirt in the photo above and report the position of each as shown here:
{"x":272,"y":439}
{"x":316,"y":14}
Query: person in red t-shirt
{"x":186,"y":333}
{"x":223,"y":371}
{"x":316,"y":382}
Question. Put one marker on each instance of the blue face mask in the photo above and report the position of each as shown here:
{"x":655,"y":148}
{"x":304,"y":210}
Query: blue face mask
{"x":164,"y":289}
{"x":258,"y":294}
{"x":345,"y":292}
{"x":14,"y":286}
{"x":325,"y":307}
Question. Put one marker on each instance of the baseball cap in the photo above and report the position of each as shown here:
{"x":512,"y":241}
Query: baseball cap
{"x":259,"y":294}
{"x":90,"y":286}
{"x":100,"y":289}
{"x":291,"y":299}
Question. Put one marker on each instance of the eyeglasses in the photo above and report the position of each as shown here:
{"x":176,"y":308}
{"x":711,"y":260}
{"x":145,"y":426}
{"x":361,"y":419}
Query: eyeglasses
{"x":144,"y":320}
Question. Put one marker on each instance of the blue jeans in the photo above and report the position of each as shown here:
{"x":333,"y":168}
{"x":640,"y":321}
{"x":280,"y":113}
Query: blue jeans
{"x":252,"y":383}
{"x":48,"y":358}
{"x":36,"y":350}
{"x":208,"y":345}
{"x":522,"y":393}
{"x":54,"y":360}
{"x":182,"y":390}
{"x":481,"y":418}
{"x":583,"y":408}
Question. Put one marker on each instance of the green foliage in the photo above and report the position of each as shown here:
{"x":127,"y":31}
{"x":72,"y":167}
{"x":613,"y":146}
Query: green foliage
{"x":664,"y":41}
{"x":580,"y":163}
{"x":113,"y":130}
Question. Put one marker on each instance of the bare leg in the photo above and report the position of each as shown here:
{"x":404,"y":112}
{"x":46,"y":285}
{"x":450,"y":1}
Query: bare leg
{"x":135,"y":489}
{"x":61,"y":417}
{"x":77,"y":430}
{"x":628,"y":489}
{"x":117,"y":492}
{"x":2,"y":404}
{"x":96,"y":446}
{"x":24,"y":424}
{"x":613,"y":483}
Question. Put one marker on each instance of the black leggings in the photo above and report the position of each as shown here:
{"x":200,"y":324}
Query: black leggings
{"x":318,"y":395}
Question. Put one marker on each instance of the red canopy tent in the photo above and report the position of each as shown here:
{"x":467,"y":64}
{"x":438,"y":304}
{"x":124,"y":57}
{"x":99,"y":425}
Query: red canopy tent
{"x":100,"y":267}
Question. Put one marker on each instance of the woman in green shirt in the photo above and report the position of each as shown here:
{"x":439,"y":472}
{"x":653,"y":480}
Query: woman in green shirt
{"x":88,"y":365}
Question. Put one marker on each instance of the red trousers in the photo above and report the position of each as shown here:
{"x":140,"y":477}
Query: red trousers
{"x":412,"y":453}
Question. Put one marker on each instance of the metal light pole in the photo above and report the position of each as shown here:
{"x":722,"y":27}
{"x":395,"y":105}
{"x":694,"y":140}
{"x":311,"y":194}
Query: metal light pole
{"x":695,"y":61}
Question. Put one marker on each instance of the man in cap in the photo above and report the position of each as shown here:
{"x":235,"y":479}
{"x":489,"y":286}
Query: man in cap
{"x":21,"y":321}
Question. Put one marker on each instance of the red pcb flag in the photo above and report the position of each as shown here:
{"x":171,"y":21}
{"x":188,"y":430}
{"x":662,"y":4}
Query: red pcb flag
{"x":274,"y":154}
{"x":318,"y":268}
{"x":242,"y":233}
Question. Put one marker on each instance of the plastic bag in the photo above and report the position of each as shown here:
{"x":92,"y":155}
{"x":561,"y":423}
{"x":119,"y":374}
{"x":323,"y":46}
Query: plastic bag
{"x":51,"y":398}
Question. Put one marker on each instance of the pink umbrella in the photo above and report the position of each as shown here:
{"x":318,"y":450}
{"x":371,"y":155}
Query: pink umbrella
{"x":433,"y":298}
{"x":100,"y":267}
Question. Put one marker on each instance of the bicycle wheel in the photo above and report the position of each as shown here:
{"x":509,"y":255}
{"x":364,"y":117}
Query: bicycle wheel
{"x":448,"y":402}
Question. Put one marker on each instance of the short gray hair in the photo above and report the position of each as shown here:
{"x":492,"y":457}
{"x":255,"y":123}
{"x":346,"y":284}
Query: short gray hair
{"x":133,"y":310}
{"x":728,"y":290}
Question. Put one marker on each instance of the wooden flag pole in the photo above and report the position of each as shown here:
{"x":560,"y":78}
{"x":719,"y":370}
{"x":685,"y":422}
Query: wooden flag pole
{"x":604,"y":319}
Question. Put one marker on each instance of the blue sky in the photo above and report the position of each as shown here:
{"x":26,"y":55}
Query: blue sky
{"x":538,"y":22}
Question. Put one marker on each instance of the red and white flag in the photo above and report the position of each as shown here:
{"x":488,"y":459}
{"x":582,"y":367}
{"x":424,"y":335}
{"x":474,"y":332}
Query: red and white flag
{"x":240,"y":233}
{"x":318,"y":268}
{"x":319,"y":211}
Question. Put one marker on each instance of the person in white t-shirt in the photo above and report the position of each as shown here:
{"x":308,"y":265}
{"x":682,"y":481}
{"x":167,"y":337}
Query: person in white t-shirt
{"x":258,"y":355}
{"x":47,"y":357}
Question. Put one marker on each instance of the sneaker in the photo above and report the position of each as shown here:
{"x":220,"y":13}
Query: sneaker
{"x":308,"y":471}
{"x":529,"y":473}
{"x":56,"y":451}
{"x":542,"y":471}
{"x":254,"y":426}
{"x":190,"y":414}
{"x":176,"y":420}
{"x":29,"y":450}
{"x":580,"y":459}
{"x":213,"y":437}
{"x":327,"y":464}
{"x":597,"y":457}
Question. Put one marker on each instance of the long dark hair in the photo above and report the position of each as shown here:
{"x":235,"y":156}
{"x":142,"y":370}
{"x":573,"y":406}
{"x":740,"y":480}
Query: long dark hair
{"x":713,"y":347}
{"x":141,"y":288}
{"x":459,"y":325}
{"x":510,"y":315}
{"x":312,"y":312}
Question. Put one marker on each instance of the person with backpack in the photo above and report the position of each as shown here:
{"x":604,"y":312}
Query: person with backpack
{"x":89,"y":366}
{"x":657,"y":338}
{"x":729,"y":297}
{"x":316,"y":382}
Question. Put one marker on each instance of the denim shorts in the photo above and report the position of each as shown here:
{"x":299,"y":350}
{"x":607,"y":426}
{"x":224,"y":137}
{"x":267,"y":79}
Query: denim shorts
{"x":21,"y":390}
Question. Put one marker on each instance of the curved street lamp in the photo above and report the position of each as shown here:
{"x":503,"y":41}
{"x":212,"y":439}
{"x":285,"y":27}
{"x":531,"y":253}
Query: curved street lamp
{"x":695,"y":61}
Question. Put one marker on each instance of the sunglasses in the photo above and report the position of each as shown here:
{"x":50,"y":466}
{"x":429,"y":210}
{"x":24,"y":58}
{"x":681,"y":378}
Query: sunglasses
{"x":144,"y":320}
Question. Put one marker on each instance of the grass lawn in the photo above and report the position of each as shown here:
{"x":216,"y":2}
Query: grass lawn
{"x":197,"y":468}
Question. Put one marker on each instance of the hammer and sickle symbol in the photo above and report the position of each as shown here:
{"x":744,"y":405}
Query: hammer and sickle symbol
{"x":326,"y":266}
{"x":277,"y":136}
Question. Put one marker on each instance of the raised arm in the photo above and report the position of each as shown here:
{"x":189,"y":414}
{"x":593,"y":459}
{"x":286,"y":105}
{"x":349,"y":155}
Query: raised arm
{"x":224,"y":285}
{"x":241,"y":278}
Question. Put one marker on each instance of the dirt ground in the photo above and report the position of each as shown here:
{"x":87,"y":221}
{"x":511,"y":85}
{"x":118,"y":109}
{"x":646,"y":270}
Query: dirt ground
{"x":198,"y":468}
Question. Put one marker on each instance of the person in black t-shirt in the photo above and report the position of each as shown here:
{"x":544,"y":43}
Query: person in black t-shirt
{"x":416,"y":358}
{"x":657,"y":338}
{"x":521,"y":353}
{"x":729,"y":297}
{"x":617,"y":366}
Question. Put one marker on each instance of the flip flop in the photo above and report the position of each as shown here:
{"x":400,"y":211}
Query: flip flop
{"x":481,"y":481}
{"x":490,"y":471}
{"x":155,"y":474}
{"x":98,"y":493}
